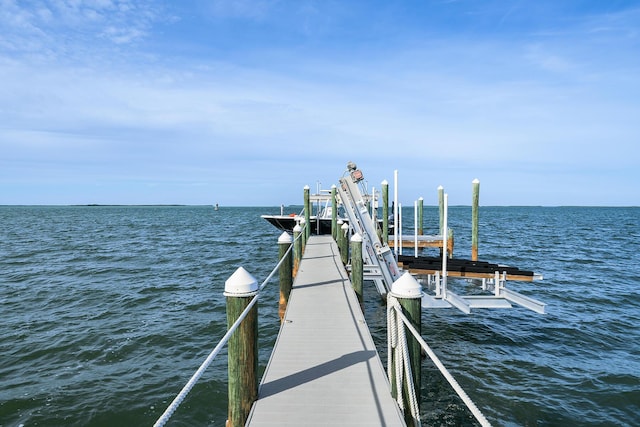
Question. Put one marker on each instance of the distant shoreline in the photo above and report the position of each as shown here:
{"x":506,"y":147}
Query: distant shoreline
{"x":300,"y":205}
{"x":161,"y":204}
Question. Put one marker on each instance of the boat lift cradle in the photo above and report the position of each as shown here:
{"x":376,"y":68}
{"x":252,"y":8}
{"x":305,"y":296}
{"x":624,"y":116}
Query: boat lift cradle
{"x":380,"y":263}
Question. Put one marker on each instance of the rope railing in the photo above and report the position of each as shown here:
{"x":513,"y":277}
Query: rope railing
{"x":166,"y":415}
{"x":397,"y":346}
{"x":395,"y":306}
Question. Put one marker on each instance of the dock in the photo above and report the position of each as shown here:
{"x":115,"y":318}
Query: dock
{"x":324,"y":368}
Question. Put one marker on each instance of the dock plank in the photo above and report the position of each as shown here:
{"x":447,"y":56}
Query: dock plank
{"x":424,"y":241}
{"x":324,"y":368}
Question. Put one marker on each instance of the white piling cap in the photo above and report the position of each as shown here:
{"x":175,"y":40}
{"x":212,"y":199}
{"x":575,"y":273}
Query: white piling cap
{"x":297,"y":228}
{"x":385,"y":182}
{"x":440,"y":187}
{"x":345,"y":226}
{"x":406,"y":287}
{"x":284,"y":238}
{"x":475,"y":181}
{"x":240,"y":284}
{"x":356,"y":238}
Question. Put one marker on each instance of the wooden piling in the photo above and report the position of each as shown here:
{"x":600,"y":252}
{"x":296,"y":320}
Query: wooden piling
{"x":409,"y":294}
{"x":307,"y":214}
{"x":450,"y":242}
{"x":475,"y":198}
{"x":303,"y":234}
{"x":239,"y":290}
{"x":297,"y":249}
{"x":340,"y":238}
{"x":344,"y":250}
{"x":420,"y":216}
{"x":385,"y":212}
{"x":441,"y":205}
{"x":285,"y":272}
{"x":357,"y":272}
{"x":334,"y":213}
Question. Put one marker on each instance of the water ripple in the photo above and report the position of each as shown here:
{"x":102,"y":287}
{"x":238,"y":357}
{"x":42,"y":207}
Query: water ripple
{"x":108,"y":311}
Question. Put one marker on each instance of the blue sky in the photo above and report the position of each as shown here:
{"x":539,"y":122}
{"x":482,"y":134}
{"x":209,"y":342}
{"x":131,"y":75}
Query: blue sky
{"x":246,"y":102}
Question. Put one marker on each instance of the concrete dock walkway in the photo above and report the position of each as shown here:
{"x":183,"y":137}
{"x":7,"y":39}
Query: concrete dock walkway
{"x":324,"y":369}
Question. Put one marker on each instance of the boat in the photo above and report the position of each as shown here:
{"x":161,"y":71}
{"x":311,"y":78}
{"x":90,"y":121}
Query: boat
{"x":320,"y":221}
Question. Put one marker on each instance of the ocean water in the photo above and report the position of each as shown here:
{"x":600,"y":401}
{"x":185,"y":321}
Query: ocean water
{"x":107,"y":311}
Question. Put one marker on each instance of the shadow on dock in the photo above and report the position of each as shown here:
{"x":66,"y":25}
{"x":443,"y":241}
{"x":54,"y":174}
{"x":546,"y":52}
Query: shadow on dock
{"x":315,"y":372}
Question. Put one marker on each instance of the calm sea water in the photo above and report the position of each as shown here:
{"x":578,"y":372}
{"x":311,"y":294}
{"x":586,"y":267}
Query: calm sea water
{"x":106,"y":312}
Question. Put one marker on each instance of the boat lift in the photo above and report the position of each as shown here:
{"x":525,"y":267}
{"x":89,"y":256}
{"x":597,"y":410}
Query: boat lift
{"x":379,"y":262}
{"x":381,"y":266}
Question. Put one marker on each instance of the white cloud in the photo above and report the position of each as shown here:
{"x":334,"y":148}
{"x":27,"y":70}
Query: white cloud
{"x":62,"y":27}
{"x":444,"y":110}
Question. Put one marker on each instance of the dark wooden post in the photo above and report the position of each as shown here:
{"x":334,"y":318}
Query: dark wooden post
{"x":285,"y":272}
{"x":240,"y":289}
{"x":475,"y":198}
{"x":357,"y":273}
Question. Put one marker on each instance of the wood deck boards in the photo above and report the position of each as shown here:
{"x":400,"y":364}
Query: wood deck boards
{"x":324,"y":369}
{"x":424,"y":241}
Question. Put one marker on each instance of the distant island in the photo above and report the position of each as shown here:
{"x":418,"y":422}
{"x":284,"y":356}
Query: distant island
{"x":98,"y":204}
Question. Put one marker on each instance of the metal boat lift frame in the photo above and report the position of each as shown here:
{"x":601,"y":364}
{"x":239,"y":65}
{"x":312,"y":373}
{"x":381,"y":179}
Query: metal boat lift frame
{"x":380,"y":264}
